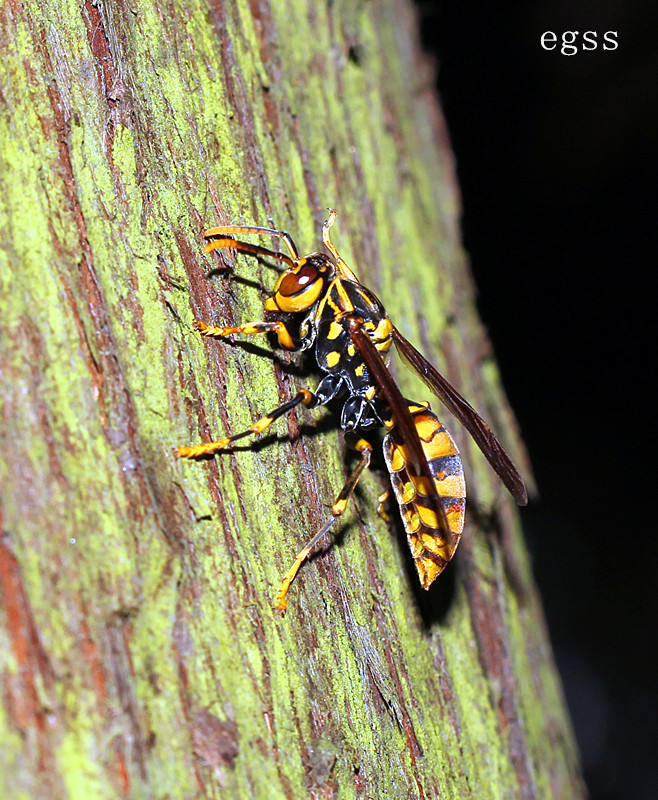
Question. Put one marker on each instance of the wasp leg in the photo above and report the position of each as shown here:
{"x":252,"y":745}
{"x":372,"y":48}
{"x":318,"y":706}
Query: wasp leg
{"x":245,"y":247}
{"x":249,"y":328}
{"x":337,"y":509}
{"x":302,"y":396}
{"x":223,"y":230}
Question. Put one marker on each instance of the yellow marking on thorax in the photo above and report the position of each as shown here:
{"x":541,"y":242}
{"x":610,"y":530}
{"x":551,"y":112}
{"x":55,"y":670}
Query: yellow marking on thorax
{"x":339,"y":304}
{"x":335,"y":330}
{"x":365,"y":296}
{"x":344,"y":304}
{"x":382,"y":334}
{"x":333,"y":358}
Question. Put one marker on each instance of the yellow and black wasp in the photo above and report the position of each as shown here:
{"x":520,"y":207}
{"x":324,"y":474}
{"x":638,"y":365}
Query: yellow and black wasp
{"x":352,"y":336}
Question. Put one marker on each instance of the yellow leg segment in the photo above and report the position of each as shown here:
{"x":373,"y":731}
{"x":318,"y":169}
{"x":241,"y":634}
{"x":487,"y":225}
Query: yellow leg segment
{"x":208,"y":448}
{"x":337,"y":509}
{"x":248,"y":329}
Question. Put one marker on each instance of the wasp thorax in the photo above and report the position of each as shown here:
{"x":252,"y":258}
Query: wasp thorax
{"x":299,"y":287}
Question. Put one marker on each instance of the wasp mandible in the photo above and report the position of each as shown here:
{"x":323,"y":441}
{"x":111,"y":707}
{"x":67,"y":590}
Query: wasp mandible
{"x":324,"y":306}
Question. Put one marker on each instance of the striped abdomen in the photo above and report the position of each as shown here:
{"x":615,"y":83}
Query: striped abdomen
{"x":430,"y":546}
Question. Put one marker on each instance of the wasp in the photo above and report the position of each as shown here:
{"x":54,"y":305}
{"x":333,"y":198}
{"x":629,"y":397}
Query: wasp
{"x":318,"y":302}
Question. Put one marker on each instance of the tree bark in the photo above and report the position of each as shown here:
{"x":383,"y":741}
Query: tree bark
{"x":140,"y":654}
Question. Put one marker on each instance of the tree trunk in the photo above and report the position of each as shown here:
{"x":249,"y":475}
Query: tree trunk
{"x":141,"y":656}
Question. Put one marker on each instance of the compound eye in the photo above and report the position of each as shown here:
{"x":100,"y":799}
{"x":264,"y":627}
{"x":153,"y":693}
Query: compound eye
{"x":297,"y":291}
{"x":295,"y":282}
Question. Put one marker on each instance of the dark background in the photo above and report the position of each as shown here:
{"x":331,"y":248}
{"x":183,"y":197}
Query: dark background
{"x":557,"y":160}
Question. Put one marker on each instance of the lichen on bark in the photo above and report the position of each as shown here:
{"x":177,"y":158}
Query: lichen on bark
{"x":140,"y":654}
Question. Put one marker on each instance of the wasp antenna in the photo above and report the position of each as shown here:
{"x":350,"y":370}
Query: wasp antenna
{"x":343,"y":269}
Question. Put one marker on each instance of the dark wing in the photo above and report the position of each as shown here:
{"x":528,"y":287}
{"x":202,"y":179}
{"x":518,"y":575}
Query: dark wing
{"x":493,"y":450}
{"x":403,"y":420}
